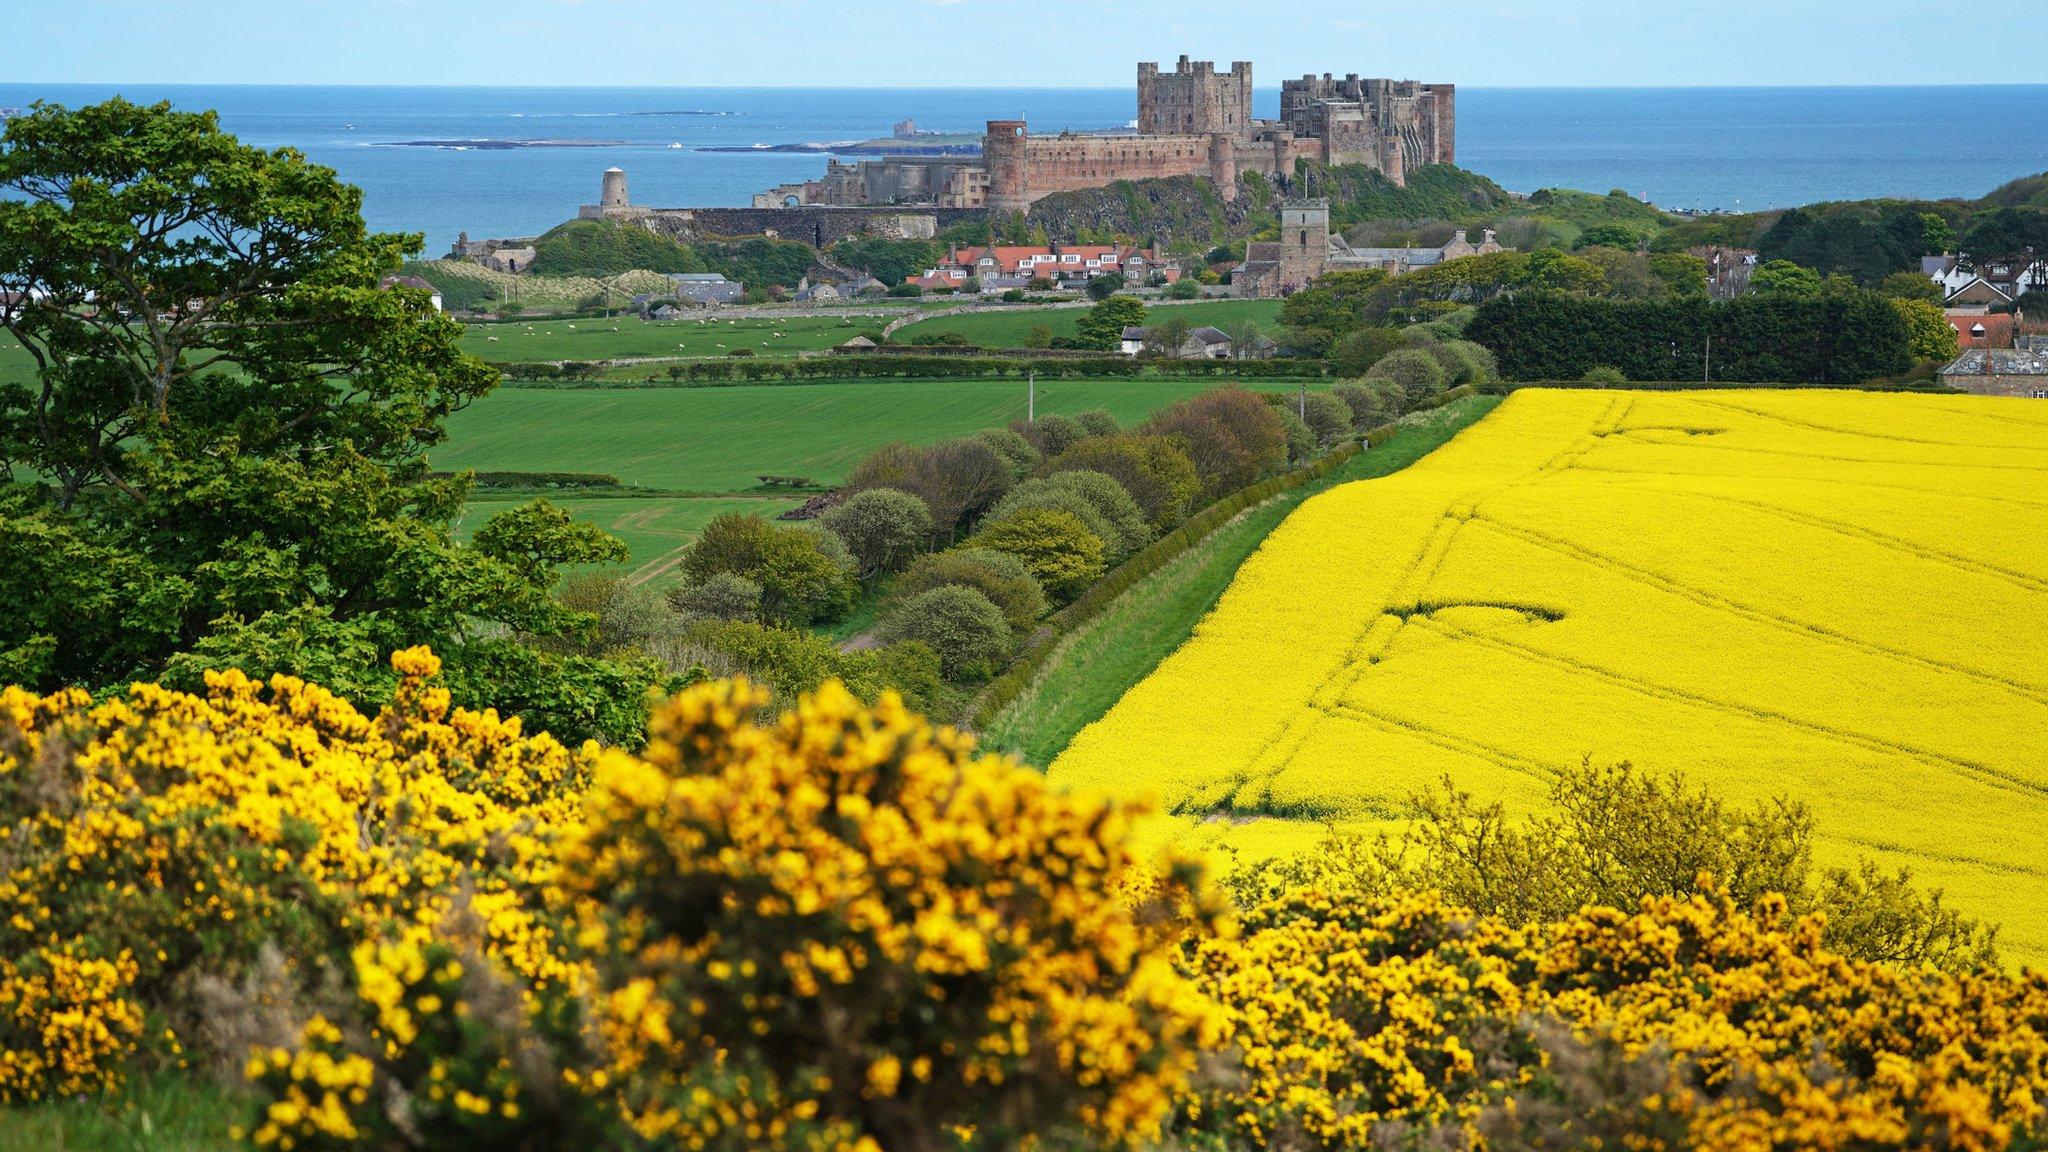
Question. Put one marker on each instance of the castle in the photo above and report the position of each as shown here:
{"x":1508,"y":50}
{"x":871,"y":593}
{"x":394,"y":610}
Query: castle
{"x":1192,"y":121}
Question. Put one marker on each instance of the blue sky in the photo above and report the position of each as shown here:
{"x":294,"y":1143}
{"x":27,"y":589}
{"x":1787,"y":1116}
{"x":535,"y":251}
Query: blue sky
{"x":973,"y":43}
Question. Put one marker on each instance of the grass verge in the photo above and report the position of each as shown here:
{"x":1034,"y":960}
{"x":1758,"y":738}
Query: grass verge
{"x":156,"y":1113}
{"x":1095,"y":665}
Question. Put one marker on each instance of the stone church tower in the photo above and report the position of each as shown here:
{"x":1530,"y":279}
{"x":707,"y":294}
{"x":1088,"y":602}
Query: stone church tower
{"x":1304,"y":242}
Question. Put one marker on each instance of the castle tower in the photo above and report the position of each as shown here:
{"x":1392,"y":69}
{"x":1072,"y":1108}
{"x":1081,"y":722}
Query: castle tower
{"x":1003,"y":149}
{"x":1393,"y":160}
{"x":1223,"y":166}
{"x":613,"y":194}
{"x":1304,"y":242}
{"x":1195,"y":100}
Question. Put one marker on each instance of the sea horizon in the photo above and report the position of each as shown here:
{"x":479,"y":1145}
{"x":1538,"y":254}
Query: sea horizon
{"x":1683,"y":147}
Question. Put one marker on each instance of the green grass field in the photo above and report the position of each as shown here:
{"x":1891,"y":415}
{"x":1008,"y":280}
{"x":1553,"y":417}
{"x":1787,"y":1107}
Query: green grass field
{"x":152,"y":1113}
{"x":15,"y":365}
{"x":718,"y":440}
{"x":629,"y":336}
{"x":655,"y":528}
{"x":1009,"y":329}
{"x":1093,"y":668}
{"x":704,"y":449}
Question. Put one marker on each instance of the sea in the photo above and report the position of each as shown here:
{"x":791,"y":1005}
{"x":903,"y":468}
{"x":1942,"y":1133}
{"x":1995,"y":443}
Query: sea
{"x":1732,"y":149}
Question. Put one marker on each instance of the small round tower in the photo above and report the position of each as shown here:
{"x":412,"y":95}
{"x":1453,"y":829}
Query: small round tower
{"x":1009,"y":170}
{"x":614,"y":192}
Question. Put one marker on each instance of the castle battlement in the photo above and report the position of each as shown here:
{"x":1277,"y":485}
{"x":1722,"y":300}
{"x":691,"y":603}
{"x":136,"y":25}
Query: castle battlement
{"x":1193,"y":120}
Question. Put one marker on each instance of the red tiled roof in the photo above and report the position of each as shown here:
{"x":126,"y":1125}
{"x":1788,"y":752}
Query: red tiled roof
{"x":1997,"y":328}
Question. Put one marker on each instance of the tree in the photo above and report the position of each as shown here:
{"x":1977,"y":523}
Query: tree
{"x":220,"y":458}
{"x":1358,"y":350}
{"x":1099,"y":422}
{"x":882,"y":527}
{"x":719,"y":596}
{"x":1055,"y":546}
{"x":1153,"y":469}
{"x":1786,"y":280}
{"x":1370,"y":406}
{"x":1328,"y":417}
{"x":1419,"y":374}
{"x":1103,"y":327}
{"x":1610,"y":236}
{"x":1052,"y":434}
{"x":1126,"y":527}
{"x":1184,"y":289}
{"x":2007,"y":234}
{"x":1928,"y":335}
{"x":1106,"y":285}
{"x":961,"y":624}
{"x":173,"y":286}
{"x":1040,"y":336}
{"x":800,"y":581}
{"x":957,"y":479}
{"x":1330,"y":307}
{"x":1166,"y":338}
{"x":1937,"y":235}
{"x":1015,"y":450}
{"x":1231,"y":436}
{"x":1911,"y":286}
{"x":1001,"y":577}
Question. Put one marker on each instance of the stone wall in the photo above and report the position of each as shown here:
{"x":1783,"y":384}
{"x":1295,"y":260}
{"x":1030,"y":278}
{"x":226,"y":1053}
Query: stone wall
{"x":2032,"y":386}
{"x":816,"y":225}
{"x":1025,"y":168}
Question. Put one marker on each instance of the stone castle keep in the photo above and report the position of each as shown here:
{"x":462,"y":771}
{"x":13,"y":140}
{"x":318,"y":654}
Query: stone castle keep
{"x":1192,"y":121}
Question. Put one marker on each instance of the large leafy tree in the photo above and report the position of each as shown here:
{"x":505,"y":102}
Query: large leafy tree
{"x":221,"y":455}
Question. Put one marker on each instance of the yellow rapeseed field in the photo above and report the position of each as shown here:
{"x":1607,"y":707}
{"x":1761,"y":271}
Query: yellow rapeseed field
{"x":1838,"y":597}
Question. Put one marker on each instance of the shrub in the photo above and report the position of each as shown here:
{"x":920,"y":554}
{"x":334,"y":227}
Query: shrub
{"x":1015,"y":450}
{"x":1329,"y":417}
{"x":1098,"y":422}
{"x":801,"y":579}
{"x":1106,"y":285}
{"x":1055,"y":546}
{"x":1370,"y":406}
{"x":1416,"y":370}
{"x":1035,"y":494}
{"x":719,"y":596}
{"x":957,"y":479}
{"x":882,"y":527}
{"x":1301,"y":439}
{"x":1001,"y":577}
{"x":829,"y":959}
{"x":905,"y":291}
{"x":1127,"y":523}
{"x":1230,"y":435}
{"x":1466,"y":363}
{"x":963,"y":626}
{"x":1053,"y":434}
{"x":1604,"y":374}
{"x":1356,"y":352}
{"x":1153,"y":469}
{"x":627,"y":615}
{"x":1183,"y":289}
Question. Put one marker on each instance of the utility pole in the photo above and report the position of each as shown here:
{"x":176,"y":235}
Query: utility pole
{"x":1707,"y":373}
{"x":1301,"y":403}
{"x":1031,"y":396}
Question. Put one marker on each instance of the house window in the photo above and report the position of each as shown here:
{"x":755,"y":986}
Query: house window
{"x":2041,"y":393}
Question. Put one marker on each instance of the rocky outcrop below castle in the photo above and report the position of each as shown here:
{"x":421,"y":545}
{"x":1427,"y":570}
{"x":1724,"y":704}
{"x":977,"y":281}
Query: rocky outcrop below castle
{"x":1175,"y":208}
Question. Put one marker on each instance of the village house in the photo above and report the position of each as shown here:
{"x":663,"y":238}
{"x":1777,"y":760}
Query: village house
{"x":2002,"y":371}
{"x":1976,"y":329}
{"x":1984,"y":285}
{"x":415,"y":283}
{"x":1203,"y":343}
{"x":1003,"y":266}
{"x":706,"y":288}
